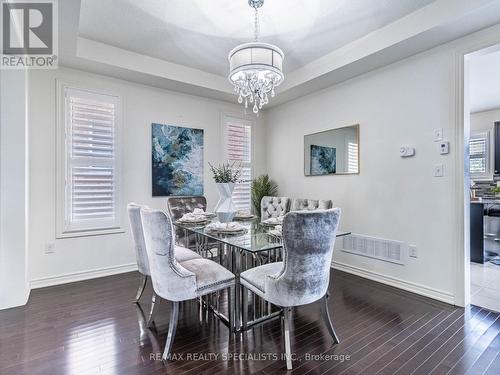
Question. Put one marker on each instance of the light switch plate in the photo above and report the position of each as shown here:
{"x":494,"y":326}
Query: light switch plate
{"x":412,"y":251}
{"x":438,"y":134}
{"x":438,"y":170}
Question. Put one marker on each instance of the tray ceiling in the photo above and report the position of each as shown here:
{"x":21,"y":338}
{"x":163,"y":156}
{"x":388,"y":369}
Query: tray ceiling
{"x":200,"y":33}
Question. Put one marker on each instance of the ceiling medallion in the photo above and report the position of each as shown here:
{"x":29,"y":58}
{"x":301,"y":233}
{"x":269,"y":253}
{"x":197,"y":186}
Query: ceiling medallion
{"x":255,"y":68}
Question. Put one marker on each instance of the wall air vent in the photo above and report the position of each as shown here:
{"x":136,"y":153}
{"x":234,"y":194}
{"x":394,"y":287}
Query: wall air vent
{"x":378,"y":248}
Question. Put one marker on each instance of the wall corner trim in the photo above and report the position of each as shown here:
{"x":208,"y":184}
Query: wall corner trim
{"x":83,"y":275}
{"x":419,"y":289}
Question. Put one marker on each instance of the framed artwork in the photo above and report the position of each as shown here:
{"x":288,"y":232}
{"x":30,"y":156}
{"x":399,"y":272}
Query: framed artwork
{"x":323,"y":160}
{"x":177,"y":160}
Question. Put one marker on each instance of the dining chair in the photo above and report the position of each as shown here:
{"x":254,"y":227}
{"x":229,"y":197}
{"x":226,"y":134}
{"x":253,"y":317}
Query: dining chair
{"x":177,"y":207}
{"x":180,"y":281}
{"x":304,"y":274}
{"x":300,"y":204}
{"x":181,"y":253}
{"x":274,"y":207}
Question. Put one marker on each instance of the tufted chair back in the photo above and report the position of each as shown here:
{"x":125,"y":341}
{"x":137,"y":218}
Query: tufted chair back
{"x":178,"y":206}
{"x":274,"y":207}
{"x":170,"y":280}
{"x":134,"y":215}
{"x":308,"y":240}
{"x":311,"y":204}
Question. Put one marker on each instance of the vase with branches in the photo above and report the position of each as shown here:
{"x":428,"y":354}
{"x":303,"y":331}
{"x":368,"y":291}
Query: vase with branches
{"x":262,"y":186}
{"x":225,"y":176}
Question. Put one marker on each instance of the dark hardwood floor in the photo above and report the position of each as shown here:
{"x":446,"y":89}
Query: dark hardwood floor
{"x":91,"y":327}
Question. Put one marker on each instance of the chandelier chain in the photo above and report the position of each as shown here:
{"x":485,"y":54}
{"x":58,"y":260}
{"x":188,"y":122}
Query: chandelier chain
{"x":256,"y":25}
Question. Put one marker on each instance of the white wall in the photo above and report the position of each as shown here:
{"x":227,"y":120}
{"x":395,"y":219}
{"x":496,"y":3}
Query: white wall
{"x":14,"y":288}
{"x":141,"y":106}
{"x":482,"y":122}
{"x":392,"y":197}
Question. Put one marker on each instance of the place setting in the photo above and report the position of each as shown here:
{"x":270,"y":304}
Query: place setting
{"x":231,"y":228}
{"x":273,"y":221}
{"x":243,"y":216}
{"x":197,"y":217}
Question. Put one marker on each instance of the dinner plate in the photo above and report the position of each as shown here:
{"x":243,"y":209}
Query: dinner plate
{"x":270,"y":224}
{"x":227,"y":230}
{"x":194,"y":221}
{"x":244,"y":217}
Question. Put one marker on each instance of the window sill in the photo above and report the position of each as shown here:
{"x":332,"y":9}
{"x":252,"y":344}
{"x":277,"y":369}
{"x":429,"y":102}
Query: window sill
{"x":89,"y":233}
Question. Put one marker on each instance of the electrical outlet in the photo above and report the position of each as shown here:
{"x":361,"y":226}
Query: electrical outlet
{"x":438,"y":170}
{"x":412,"y":251}
{"x":50,"y":248}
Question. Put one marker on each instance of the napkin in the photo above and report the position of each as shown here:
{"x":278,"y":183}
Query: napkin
{"x":225,"y":226}
{"x":191,"y":216}
{"x":274,"y":220}
{"x":243,"y":214}
{"x":200,"y":212}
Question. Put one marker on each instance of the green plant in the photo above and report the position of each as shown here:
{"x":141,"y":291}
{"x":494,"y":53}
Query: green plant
{"x":495,"y":189}
{"x":226,"y":173}
{"x":262,"y":186}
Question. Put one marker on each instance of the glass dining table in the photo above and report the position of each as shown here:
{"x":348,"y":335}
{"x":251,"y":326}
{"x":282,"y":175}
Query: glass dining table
{"x":255,"y":244}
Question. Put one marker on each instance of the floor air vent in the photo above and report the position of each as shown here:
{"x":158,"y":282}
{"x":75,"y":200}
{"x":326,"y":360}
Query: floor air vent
{"x":372,"y":247}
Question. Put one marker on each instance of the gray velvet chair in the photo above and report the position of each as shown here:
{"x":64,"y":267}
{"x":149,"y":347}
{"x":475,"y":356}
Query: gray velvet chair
{"x":274,"y":207}
{"x":179,"y":281}
{"x":311,"y":204}
{"x":181,"y":253}
{"x":178,"y":206}
{"x":304,"y":274}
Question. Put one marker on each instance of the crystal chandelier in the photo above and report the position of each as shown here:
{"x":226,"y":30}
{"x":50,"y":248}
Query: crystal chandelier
{"x":255,"y":68}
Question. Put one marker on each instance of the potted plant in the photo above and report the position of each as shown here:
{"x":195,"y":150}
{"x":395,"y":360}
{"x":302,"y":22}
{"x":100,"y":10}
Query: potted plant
{"x":225,"y":177}
{"x":262,"y":186}
{"x":496,"y":191}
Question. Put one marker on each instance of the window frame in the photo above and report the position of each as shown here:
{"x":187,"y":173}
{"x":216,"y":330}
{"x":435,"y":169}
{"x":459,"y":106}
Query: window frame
{"x":247,"y":120}
{"x":64,"y":229}
{"x":487,"y":175}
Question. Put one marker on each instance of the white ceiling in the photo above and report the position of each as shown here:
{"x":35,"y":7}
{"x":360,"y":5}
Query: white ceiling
{"x":200,"y":33}
{"x":484,"y":82}
{"x":182,"y":45}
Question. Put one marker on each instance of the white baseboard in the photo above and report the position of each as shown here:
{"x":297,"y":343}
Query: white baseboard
{"x":82,"y":275}
{"x":397,"y":283}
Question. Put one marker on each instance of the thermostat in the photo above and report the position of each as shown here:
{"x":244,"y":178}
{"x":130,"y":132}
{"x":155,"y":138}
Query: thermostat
{"x":406,"y":151}
{"x":444,"y":148}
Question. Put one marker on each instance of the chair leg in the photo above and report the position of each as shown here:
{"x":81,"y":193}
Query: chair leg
{"x":172,"y":327}
{"x":142,"y":286}
{"x":244,"y":306}
{"x":287,"y":316}
{"x":233,"y":321}
{"x":155,"y":304}
{"x":326,"y":317}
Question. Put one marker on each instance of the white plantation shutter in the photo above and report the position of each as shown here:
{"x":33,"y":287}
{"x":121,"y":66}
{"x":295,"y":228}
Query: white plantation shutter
{"x":239,"y":151}
{"x":352,"y":157}
{"x":92,"y":161}
{"x":478,"y":153}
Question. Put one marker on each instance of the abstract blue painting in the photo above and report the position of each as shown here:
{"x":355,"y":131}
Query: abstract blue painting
{"x":177,"y":156}
{"x":323,"y":160}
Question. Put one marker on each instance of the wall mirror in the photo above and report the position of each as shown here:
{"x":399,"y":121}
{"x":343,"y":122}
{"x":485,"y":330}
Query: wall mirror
{"x":334,"y":151}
